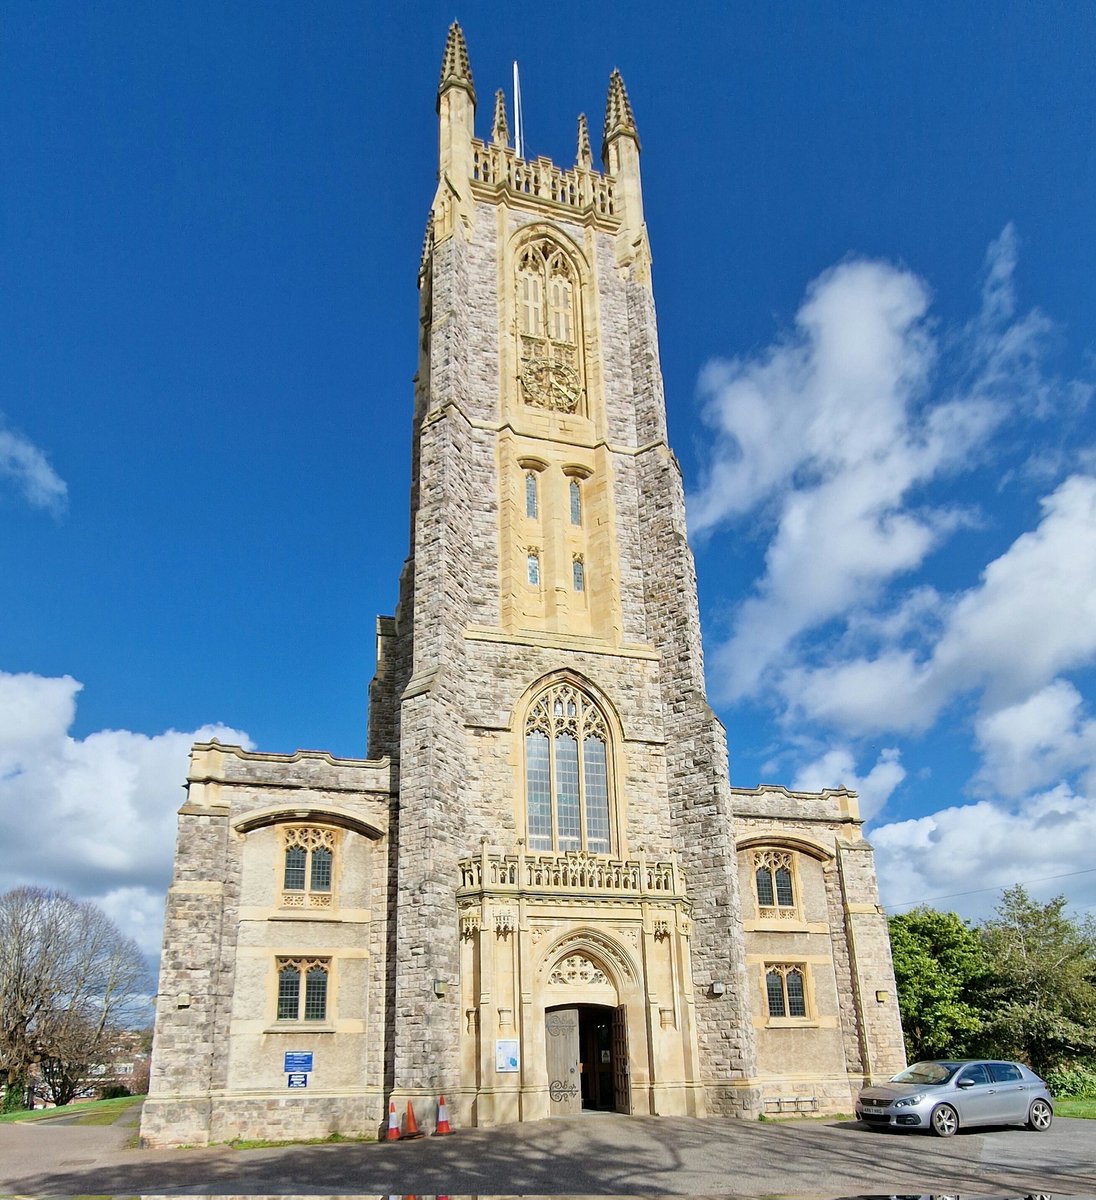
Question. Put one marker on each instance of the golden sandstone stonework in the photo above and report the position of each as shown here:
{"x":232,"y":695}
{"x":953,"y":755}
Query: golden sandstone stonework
{"x":539,"y":891}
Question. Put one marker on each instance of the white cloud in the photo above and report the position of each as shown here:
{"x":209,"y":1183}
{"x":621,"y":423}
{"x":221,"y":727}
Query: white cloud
{"x":1041,"y":739}
{"x":834,"y":433}
{"x":974,"y":847}
{"x":1031,"y":617}
{"x":837,"y":768}
{"x":93,"y":815}
{"x":25,"y":466}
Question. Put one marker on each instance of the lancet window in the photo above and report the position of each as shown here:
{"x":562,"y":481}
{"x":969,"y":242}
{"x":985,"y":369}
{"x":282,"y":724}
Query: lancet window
{"x":567,"y":773}
{"x":575,"y":494}
{"x":547,"y":294}
{"x":532,"y":504}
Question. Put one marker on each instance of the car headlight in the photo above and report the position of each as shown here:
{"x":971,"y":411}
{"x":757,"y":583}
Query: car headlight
{"x":909,"y":1101}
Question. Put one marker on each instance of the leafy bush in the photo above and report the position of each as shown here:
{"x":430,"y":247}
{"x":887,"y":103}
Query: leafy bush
{"x":115,"y":1092}
{"x":1077,"y":1081}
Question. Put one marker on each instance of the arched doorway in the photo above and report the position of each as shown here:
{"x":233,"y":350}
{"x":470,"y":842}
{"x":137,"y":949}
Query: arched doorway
{"x":587,"y":1058}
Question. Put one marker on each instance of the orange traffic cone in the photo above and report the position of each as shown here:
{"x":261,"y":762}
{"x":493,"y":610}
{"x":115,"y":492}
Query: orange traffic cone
{"x":410,"y":1129}
{"x":443,"y":1118}
{"x":393,"y":1125}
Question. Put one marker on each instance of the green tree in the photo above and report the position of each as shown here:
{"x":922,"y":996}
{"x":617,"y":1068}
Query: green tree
{"x":1043,"y":994}
{"x":940,"y":969}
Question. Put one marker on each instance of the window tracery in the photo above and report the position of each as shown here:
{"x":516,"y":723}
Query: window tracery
{"x":549,"y":366}
{"x":309,"y":1003}
{"x":773,"y":880}
{"x":307,"y":867}
{"x":567,"y":773}
{"x":785,"y":994}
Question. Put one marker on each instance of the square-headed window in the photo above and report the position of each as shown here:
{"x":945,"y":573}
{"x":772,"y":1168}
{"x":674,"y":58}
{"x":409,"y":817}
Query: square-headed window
{"x":303,"y":989}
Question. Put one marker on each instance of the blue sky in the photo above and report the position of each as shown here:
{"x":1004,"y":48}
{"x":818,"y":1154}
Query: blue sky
{"x":875,"y":274}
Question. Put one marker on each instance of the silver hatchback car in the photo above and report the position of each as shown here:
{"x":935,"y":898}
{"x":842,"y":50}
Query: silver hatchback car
{"x":947,"y":1094}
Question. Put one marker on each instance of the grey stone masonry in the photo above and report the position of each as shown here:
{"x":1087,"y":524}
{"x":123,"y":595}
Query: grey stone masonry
{"x":230,"y":794}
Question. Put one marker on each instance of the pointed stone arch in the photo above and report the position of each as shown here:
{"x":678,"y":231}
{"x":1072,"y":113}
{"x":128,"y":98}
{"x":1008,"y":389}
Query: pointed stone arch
{"x":602,"y":951}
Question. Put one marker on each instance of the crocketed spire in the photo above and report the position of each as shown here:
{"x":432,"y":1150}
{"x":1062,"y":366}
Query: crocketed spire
{"x":618,"y":109}
{"x":583,"y":156}
{"x":455,"y":69}
{"x":500,"y":131}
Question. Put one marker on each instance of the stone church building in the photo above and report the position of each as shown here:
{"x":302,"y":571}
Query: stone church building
{"x":538,"y":893}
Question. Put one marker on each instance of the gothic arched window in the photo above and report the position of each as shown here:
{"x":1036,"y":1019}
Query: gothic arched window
{"x":773,"y":880}
{"x":567,"y":772}
{"x":549,"y":367}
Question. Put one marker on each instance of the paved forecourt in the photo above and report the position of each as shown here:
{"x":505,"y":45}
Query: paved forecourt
{"x":599,"y":1155}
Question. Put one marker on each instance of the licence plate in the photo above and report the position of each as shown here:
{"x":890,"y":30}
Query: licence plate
{"x":875,"y":1112}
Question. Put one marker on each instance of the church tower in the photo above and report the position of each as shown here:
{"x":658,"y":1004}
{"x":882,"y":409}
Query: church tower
{"x":539,"y":893}
{"x":563,"y":798}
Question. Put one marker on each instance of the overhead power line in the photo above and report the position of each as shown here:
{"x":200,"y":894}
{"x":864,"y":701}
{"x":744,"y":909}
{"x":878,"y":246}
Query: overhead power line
{"x":996,"y":888}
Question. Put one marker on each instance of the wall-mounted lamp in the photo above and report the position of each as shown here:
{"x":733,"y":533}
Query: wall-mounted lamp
{"x":881,"y":997}
{"x":440,"y":987}
{"x":718,"y":987}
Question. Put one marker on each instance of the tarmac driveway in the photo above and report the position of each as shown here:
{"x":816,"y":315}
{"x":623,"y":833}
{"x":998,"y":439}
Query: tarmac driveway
{"x":595,"y":1155}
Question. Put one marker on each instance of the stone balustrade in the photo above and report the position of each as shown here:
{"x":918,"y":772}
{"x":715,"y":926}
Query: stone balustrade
{"x":574,"y":872}
{"x":577,"y":188}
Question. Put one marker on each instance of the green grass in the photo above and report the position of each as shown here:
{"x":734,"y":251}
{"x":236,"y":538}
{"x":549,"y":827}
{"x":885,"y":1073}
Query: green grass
{"x":1076,"y":1108}
{"x":91,"y":1112}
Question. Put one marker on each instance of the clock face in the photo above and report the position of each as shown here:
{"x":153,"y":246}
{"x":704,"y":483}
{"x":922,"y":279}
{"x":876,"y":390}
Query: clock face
{"x":550,"y":383}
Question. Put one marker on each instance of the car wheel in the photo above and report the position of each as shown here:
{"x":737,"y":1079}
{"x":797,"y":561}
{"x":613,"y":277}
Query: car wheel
{"x":944,"y":1120}
{"x":1040,"y":1115}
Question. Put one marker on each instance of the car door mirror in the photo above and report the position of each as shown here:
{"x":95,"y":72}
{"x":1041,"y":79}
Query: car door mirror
{"x":965,"y":1083}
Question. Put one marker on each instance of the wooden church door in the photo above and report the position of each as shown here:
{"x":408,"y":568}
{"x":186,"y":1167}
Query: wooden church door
{"x":621,"y":1092}
{"x":562,"y":1051}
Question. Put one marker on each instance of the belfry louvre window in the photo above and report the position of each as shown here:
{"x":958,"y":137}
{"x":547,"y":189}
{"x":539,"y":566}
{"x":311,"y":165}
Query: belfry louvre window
{"x":785,"y":994}
{"x":307,"y":1003}
{"x":773,"y":880}
{"x":308,"y":867}
{"x":567,"y":773}
{"x":549,"y":368}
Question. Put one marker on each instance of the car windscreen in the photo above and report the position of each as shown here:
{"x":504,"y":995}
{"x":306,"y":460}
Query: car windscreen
{"x":926,"y":1072}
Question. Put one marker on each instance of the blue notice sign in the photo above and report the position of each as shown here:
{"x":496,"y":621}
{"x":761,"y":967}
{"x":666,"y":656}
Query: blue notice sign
{"x":298,"y":1060}
{"x":297,"y":1079}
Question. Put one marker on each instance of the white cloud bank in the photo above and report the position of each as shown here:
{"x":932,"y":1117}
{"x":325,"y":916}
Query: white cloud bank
{"x":24,"y":467}
{"x":958,"y":854}
{"x":845,"y":445}
{"x":834,"y":434}
{"x":93,"y":815}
